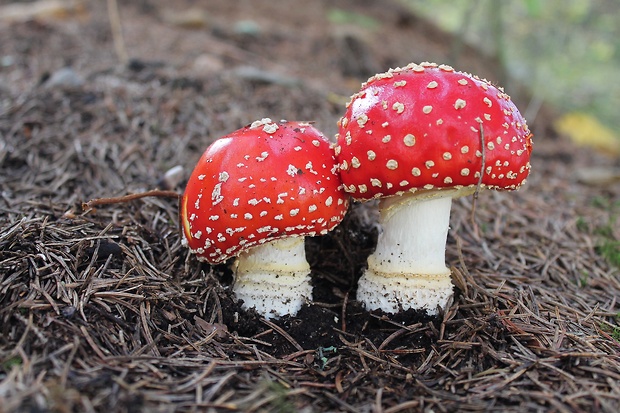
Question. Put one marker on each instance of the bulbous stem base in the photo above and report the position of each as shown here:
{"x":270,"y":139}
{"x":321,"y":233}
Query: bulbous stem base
{"x":274,"y":278}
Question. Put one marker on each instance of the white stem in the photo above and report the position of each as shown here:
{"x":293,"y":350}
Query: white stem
{"x":274,"y":277}
{"x":408,"y":270}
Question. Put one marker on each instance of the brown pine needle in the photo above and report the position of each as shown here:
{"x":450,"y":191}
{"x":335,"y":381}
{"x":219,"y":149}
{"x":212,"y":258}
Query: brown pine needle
{"x":130,"y":197}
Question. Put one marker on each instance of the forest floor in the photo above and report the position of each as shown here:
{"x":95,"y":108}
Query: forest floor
{"x":104,"y":311}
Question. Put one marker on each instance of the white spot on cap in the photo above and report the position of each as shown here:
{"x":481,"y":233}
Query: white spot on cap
{"x":416,"y":172}
{"x":329,"y":201}
{"x":398,"y":107}
{"x":291,"y":170}
{"x":400,"y":83}
{"x":355,"y":163}
{"x":465,"y":172}
{"x":293,"y":212}
{"x":280,"y":196}
{"x":462,"y":82}
{"x":386,"y":138}
{"x":362,"y":119}
{"x":429,"y":164}
{"x":270,"y":128}
{"x":487,"y":101}
{"x":216,"y":196}
{"x":392,"y":164}
{"x":375,"y":182}
{"x":447,"y":180}
{"x":409,"y":140}
{"x":427,"y":109}
{"x":371,"y":155}
{"x":459,"y":104}
{"x":312,"y":208}
{"x":259,"y":123}
{"x":247,"y":215}
{"x":447,"y":156}
{"x":432,"y":85}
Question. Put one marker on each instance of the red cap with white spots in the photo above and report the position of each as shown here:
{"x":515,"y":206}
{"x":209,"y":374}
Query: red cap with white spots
{"x":266,"y":181}
{"x":419,"y":127}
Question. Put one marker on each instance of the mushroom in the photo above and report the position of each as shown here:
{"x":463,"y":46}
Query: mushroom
{"x":416,"y":137}
{"x":254,"y":195}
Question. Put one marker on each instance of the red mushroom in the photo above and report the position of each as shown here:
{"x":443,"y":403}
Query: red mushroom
{"x":419,"y":136}
{"x":255,"y":194}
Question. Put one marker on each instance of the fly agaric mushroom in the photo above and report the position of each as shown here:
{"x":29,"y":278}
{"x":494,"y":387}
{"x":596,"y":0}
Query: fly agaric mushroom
{"x":417,"y":137}
{"x":255,"y":194}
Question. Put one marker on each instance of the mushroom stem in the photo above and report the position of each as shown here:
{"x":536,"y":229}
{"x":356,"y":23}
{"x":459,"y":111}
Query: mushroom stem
{"x":274,"y":277}
{"x":407,"y":269}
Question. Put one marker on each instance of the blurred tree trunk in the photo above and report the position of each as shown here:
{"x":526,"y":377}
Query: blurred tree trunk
{"x":459,"y":39}
{"x":496,"y":19}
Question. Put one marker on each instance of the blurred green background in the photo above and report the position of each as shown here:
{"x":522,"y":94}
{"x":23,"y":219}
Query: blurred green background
{"x":566,"y":51}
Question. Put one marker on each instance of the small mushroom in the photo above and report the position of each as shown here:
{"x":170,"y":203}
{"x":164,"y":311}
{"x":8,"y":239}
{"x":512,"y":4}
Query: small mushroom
{"x":417,"y":137}
{"x":254,"y":195}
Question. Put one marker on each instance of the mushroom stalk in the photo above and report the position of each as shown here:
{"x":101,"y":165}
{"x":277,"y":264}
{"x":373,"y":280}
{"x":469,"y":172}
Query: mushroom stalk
{"x":274,"y":277}
{"x":407,"y":269}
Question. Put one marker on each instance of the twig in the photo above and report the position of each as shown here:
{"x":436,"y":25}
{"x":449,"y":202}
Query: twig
{"x":126,"y":198}
{"x":343,"y":314}
{"x":117,"y":31}
{"x":479,"y":184}
{"x":283,"y":334}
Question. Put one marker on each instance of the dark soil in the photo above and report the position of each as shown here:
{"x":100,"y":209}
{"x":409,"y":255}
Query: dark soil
{"x":103,"y":310}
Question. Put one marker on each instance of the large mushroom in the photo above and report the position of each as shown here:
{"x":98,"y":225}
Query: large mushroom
{"x":255,"y":194}
{"x":416,"y":137}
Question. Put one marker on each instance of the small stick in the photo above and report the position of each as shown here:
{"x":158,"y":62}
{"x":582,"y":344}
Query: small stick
{"x":126,"y":198}
{"x":478,"y":185}
{"x":343,"y":314}
{"x":117,"y":31}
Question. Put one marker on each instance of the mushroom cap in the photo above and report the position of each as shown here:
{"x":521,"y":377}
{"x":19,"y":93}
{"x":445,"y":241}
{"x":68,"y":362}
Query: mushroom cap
{"x":266,"y":181}
{"x":419,"y":128}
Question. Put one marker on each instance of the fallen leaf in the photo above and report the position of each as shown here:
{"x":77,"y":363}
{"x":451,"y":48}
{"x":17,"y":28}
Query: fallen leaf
{"x":586,"y":130}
